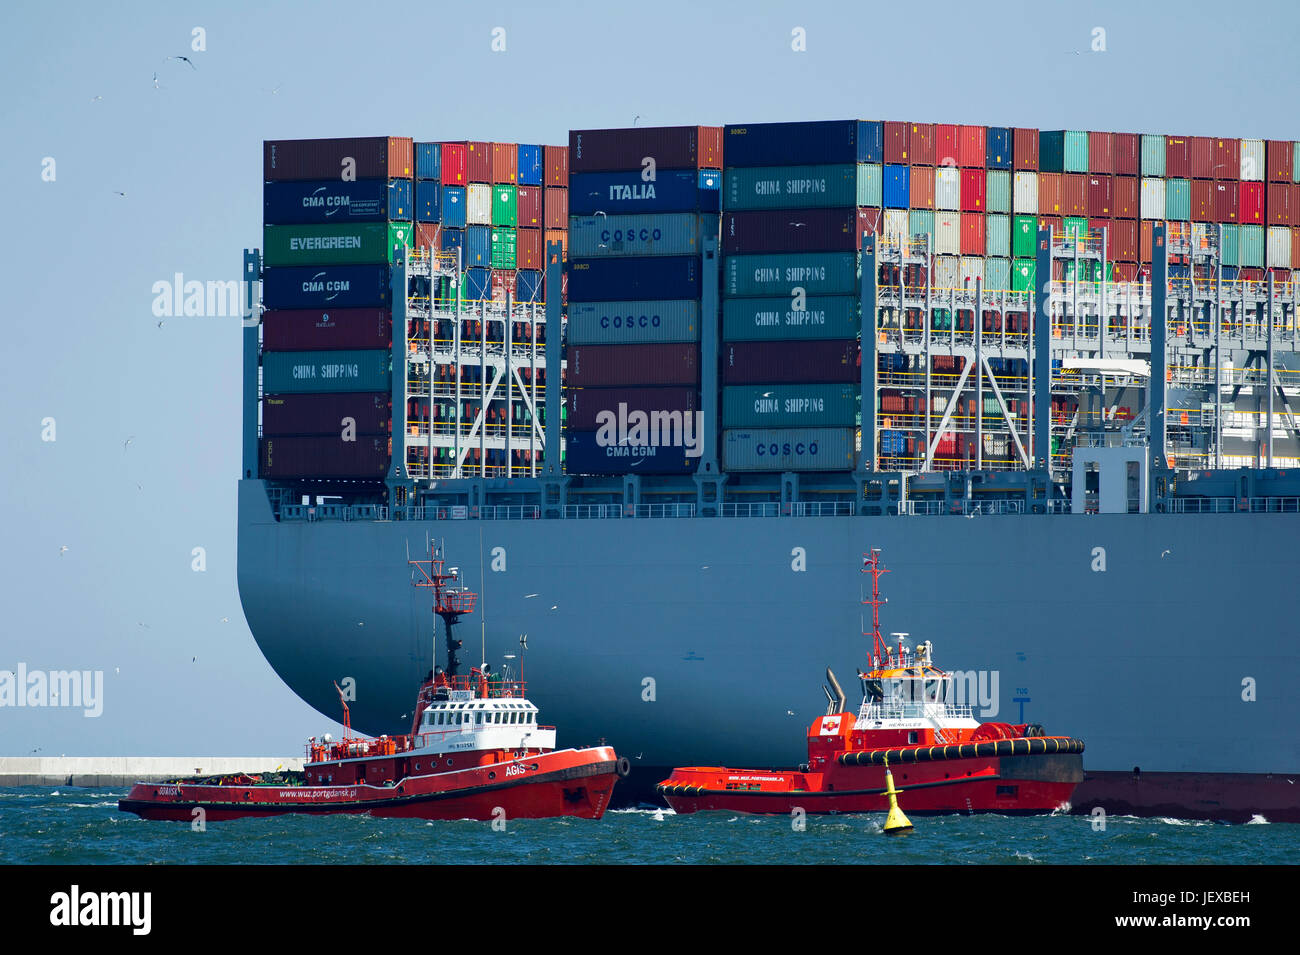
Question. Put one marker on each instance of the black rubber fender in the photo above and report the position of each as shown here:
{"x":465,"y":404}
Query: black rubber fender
{"x":624,"y":767}
{"x":1021,"y":746}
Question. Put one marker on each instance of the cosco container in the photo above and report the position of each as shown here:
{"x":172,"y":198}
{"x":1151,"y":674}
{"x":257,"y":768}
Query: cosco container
{"x":363,"y":243}
{"x":801,"y":144}
{"x":376,"y":157}
{"x":812,"y":230}
{"x":774,"y":319}
{"x":644,"y":278}
{"x":676,"y":233}
{"x":592,"y":408}
{"x":327,"y":414}
{"x":318,"y":329}
{"x":788,"y":449}
{"x":329,"y":286}
{"x":428,"y":161}
{"x":330,"y":201}
{"x":325,"y":457}
{"x":671,"y":147}
{"x":997,"y":274}
{"x":796,"y":362}
{"x":786,"y":187}
{"x":586,"y":453}
{"x":286,"y":372}
{"x":790,"y":406}
{"x":608,"y":323}
{"x":673,"y":190}
{"x":612,"y":366}
{"x":820,"y":273}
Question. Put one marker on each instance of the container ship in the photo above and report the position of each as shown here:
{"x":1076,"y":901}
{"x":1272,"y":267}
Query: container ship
{"x":661,"y":388}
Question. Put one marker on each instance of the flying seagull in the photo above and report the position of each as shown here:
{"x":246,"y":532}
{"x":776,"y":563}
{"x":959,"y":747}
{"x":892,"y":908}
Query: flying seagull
{"x":184,"y":59}
{"x":96,"y":99}
{"x":119,"y":193}
{"x":63,"y":550}
{"x":155,"y":82}
{"x":127,"y":442}
{"x":276,"y":90}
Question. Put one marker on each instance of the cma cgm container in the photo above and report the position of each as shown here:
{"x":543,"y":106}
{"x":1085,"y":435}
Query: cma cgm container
{"x":315,"y":201}
{"x":656,"y":278}
{"x":676,"y":233}
{"x":325,"y":457}
{"x":376,"y":157}
{"x":773,"y":319}
{"x":788,"y":449}
{"x":326,"y":329}
{"x":287,"y":372}
{"x":801,"y":144}
{"x":790,"y":406}
{"x":760,"y":363}
{"x":330,"y":286}
{"x":587,"y":405}
{"x":821,"y":273}
{"x":791,"y":187}
{"x":612,"y":366}
{"x":812,"y":230}
{"x":585,"y":454}
{"x":327,"y":414}
{"x":361,"y":243}
{"x":608,"y":323}
{"x":671,"y":147}
{"x":674,"y":190}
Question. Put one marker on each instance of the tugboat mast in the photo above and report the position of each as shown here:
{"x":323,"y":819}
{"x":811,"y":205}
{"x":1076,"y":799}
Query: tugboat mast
{"x":871,"y":565}
{"x":449,"y":602}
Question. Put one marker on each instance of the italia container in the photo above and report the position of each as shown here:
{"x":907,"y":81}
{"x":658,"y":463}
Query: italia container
{"x":673,"y":190}
{"x":611,"y":366}
{"x":676,"y":233}
{"x":327,"y":414}
{"x":330,"y":286}
{"x":341,"y":329}
{"x":790,"y":406}
{"x":608,"y":323}
{"x":820,"y":273}
{"x":591,"y":408}
{"x":801,"y":144}
{"x":794,"y":362}
{"x":297,"y":372}
{"x":331,"y":201}
{"x":813,"y":230}
{"x":773,"y":319}
{"x":362,"y":243}
{"x":325,"y":457}
{"x":788,"y":449}
{"x":376,"y":157}
{"x":791,"y":187}
{"x":671,"y":147}
{"x":585,"y":454}
{"x":650,"y":279}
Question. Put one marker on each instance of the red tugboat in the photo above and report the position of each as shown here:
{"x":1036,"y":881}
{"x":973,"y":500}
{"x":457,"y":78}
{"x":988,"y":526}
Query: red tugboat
{"x":475,"y":751}
{"x":943,"y":759}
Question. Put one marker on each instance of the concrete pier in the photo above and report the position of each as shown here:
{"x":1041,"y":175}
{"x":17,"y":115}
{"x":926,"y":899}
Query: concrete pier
{"x":92,"y":771}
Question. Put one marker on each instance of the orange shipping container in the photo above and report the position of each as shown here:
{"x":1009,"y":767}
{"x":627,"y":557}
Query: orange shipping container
{"x":528,"y":250}
{"x":1074,"y":194}
{"x":556,"y":159}
{"x":1202,"y":200}
{"x":556,"y":208}
{"x":922,"y":187}
{"x":1126,"y":197}
{"x":478,"y":162}
{"x":556,"y":235}
{"x":1050,"y":198}
{"x":920,"y":144}
{"x":505,"y":163}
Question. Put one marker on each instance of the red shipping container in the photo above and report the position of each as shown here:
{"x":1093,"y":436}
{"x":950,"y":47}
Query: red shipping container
{"x":1074,"y":194}
{"x":556,"y":161}
{"x":1295,"y":246}
{"x":1054,"y":224}
{"x":1178,"y":159}
{"x":972,"y":191}
{"x":505,"y":163}
{"x":1202,"y":200}
{"x":556,"y":235}
{"x":1127,"y":150}
{"x":971,"y":150}
{"x":1101,"y":156}
{"x":373,"y":157}
{"x":945,"y":144}
{"x":920,"y":145}
{"x":478,"y":162}
{"x":803,"y":362}
{"x":503,"y":283}
{"x":586,"y":404}
{"x":671,"y":147}
{"x":1101,"y":199}
{"x":922,"y":187}
{"x":1144,"y":240}
{"x":1024,"y":149}
{"x":428,"y":235}
{"x":556,"y":208}
{"x":309,"y":414}
{"x":1126,"y":197}
{"x":896,"y":136}
{"x":453,"y":164}
{"x":869,"y":222}
{"x":613,"y":366}
{"x":528,"y":249}
{"x":315,"y":329}
{"x":529,"y":208}
{"x":1127,"y":271}
{"x":1226,"y":201}
{"x":1051,"y":200}
{"x":972,"y":233}
{"x":1279,"y":209}
{"x":1250,"y":202}
{"x":328,"y":457}
{"x":1201,"y":151}
{"x":1278,"y":159}
{"x":1226,"y":158}
{"x":1122,"y":245}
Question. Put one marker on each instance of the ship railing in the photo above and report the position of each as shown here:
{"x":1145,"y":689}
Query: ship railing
{"x":661,"y":510}
{"x":751,"y":509}
{"x":1203,"y":505}
{"x":922,"y":508}
{"x":593,"y":511}
{"x":914,"y":711}
{"x":510,"y":512}
{"x":821,"y":509}
{"x":1275,"y":505}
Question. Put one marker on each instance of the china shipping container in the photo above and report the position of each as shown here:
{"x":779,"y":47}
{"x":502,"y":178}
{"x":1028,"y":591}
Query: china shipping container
{"x":376,"y":157}
{"x":790,"y":406}
{"x":997,"y":190}
{"x":803,"y":144}
{"x":1063,"y":150}
{"x":1153,"y":155}
{"x":585,"y":406}
{"x":333,"y":200}
{"x":773,"y":319}
{"x":788,"y":449}
{"x":674,"y":190}
{"x":676,"y":233}
{"x":610,"y":366}
{"x":325,"y":457}
{"x":802,"y":362}
{"x":671,"y":147}
{"x":327,"y":414}
{"x":329,"y":286}
{"x":555,"y":207}
{"x":652,"y":278}
{"x":478,"y":162}
{"x":817,"y":273}
{"x":870,"y":185}
{"x":297,"y":372}
{"x":608,"y":323}
{"x":505,"y":164}
{"x":584,"y":454}
{"x":788,"y":187}
{"x":326,"y":329}
{"x":812,"y":230}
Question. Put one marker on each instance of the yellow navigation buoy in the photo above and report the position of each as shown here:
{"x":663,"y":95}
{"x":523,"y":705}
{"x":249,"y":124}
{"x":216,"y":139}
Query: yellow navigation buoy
{"x":896,"y":823}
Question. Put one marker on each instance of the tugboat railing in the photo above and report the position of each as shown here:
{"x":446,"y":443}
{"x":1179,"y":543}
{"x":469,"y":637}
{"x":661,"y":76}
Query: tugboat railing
{"x":914,"y":711}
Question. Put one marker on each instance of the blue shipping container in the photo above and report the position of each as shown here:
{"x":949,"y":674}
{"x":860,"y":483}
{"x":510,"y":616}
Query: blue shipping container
{"x":478,"y":246}
{"x":428,"y":201}
{"x":530,"y":170}
{"x":675,"y":190}
{"x":452,"y":239}
{"x":428,"y":161}
{"x":477,"y":284}
{"x":528,"y":286}
{"x":672,"y":233}
{"x":871,"y":142}
{"x":997,"y":147}
{"x":795,"y":144}
{"x":325,"y":286}
{"x":643,"y":279}
{"x":332,"y":200}
{"x":897,"y":184}
{"x":583,"y":454}
{"x":454,"y":207}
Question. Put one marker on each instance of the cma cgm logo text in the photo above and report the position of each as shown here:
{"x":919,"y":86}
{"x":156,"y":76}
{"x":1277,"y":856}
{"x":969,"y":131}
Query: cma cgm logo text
{"x":623,"y":431}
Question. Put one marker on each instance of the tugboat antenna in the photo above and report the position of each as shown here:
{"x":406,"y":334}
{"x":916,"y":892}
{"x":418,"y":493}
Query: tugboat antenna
{"x":871,"y":565}
{"x":449,"y":602}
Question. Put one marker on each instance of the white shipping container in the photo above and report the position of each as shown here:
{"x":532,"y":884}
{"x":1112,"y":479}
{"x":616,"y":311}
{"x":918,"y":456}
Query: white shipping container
{"x":1153,"y":199}
{"x":947,"y":270}
{"x":972,"y":269}
{"x":939,"y":403}
{"x":478,"y":204}
{"x":1252,"y":160}
{"x":1279,"y":247}
{"x":895,"y":224}
{"x":947,"y":188}
{"x":947,"y":233}
{"x":1024,"y":194}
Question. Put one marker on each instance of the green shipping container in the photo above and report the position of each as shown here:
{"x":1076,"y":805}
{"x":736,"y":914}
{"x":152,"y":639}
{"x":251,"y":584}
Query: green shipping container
{"x":1153,"y":155}
{"x":789,"y":406}
{"x":819,"y":273}
{"x":920,"y":222}
{"x":360,"y":244}
{"x":1063,"y":150}
{"x":772,"y":319}
{"x":1076,"y":150}
{"x":1024,"y":236}
{"x":1295,"y":162}
{"x":505,"y":207}
{"x":1075,"y":225}
{"x":870,"y":188}
{"x":997,"y":191}
{"x":1250,"y":247}
{"x":1228,"y":251}
{"x":1022,"y":275}
{"x":400,"y":235}
{"x":1178,"y":200}
{"x":997,"y":274}
{"x":941,"y":319}
{"x":997,"y":240}
{"x":790,"y":187}
{"x":290,"y":372}
{"x":504,"y":247}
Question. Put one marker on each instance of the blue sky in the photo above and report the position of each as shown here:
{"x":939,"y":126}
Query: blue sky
{"x":82,"y":346}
